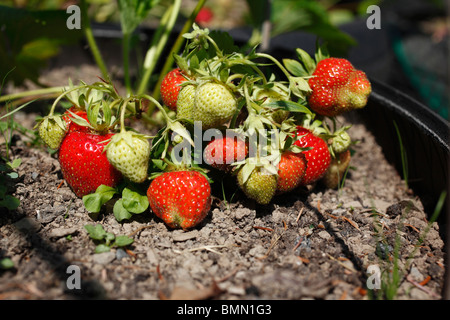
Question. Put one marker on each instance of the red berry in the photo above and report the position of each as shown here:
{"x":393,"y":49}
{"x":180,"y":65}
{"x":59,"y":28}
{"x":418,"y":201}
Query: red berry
{"x":337,"y":87}
{"x":291,"y":170}
{"x":318,"y":158}
{"x":84,"y":164}
{"x":182,"y":199}
{"x":170,"y":88}
{"x":222,"y":152}
{"x":204,"y":16}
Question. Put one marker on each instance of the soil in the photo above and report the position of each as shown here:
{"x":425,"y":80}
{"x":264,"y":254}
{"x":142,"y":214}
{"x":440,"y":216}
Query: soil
{"x":313,"y":243}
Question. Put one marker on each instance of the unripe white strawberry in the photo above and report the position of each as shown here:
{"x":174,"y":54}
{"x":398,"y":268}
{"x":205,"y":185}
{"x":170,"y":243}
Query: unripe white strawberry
{"x":185,"y":102}
{"x":214,"y":104}
{"x":52,"y":131}
{"x":260,"y":184}
{"x":129,"y":152}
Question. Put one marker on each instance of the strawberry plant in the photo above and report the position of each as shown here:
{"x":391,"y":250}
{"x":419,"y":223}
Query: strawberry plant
{"x":276,"y":112}
{"x":265,"y":133}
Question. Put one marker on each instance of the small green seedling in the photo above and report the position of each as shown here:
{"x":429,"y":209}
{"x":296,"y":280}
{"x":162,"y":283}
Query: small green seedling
{"x":106,"y":240}
{"x":6,"y":263}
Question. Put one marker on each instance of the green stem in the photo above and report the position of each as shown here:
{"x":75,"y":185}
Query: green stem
{"x":126,"y":60}
{"x":175,"y":48}
{"x":30,"y":93}
{"x":216,"y":47}
{"x":91,"y":40}
{"x":157,"y":104}
{"x":158,"y":43}
{"x":122,"y":114}
{"x":52,"y":109}
{"x":279,"y":65}
{"x":15,"y":110}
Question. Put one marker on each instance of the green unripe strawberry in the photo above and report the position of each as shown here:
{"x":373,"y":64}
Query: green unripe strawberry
{"x":129,"y":152}
{"x":336,"y":171}
{"x":185,"y":102}
{"x":52,"y":131}
{"x":214,"y":104}
{"x":260,"y":185}
{"x":341,"y":142}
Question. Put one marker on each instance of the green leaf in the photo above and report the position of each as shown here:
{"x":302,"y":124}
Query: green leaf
{"x":13,"y":175}
{"x":102,"y":248}
{"x":307,"y":60}
{"x":289,"y":105}
{"x":120,"y":212}
{"x":256,"y":12}
{"x":224,"y":41}
{"x":3,"y":190}
{"x":96,"y":232}
{"x":123,"y":241}
{"x":94,"y":201}
{"x":15,"y":164}
{"x":295,"y":68}
{"x":10,"y":202}
{"x":29,"y":38}
{"x":247,"y":170}
{"x":133,"y":201}
{"x":109,"y":237}
{"x":133,"y":12}
{"x":310,"y":16}
{"x":299,"y":86}
{"x":6,"y":263}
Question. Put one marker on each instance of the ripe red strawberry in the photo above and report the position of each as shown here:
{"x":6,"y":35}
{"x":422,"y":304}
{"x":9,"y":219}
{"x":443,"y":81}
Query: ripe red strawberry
{"x":182,"y":199}
{"x":204,"y":16}
{"x":337,"y":87}
{"x":170,"y":87}
{"x":318,"y":157}
{"x":222,"y":152}
{"x":84,"y":164}
{"x":291,"y":170}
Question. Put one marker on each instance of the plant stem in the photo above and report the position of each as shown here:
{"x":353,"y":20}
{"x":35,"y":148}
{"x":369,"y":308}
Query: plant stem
{"x":175,"y":48}
{"x":126,"y":60}
{"x":268,"y":56}
{"x":15,"y":110}
{"x":122,"y":114}
{"x":36,"y":92}
{"x":158,"y":43}
{"x":403,"y":156}
{"x":91,"y":40}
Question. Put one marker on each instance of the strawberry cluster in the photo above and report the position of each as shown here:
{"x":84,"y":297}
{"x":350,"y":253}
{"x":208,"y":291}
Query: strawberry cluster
{"x":223,"y":111}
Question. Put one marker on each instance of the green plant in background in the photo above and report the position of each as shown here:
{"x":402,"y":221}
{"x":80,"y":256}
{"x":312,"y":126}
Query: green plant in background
{"x":33,"y":33}
{"x":30,"y":50}
{"x":392,"y":274}
{"x":403,"y":155}
{"x":7,"y":173}
{"x":7,"y":176}
{"x":106,"y":240}
{"x":29,"y":38}
{"x":321,"y":18}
